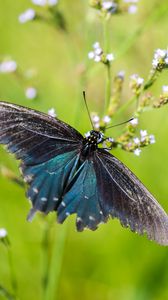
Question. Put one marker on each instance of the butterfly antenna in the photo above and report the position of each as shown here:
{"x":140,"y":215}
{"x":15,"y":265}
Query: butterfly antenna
{"x":120,"y":123}
{"x":84,"y":97}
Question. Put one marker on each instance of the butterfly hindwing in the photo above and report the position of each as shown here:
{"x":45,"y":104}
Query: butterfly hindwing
{"x":82,"y":198}
{"x":47,"y":181}
{"x":125,"y":197}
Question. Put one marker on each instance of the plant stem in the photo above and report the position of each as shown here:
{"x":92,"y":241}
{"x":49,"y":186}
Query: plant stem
{"x":108,"y":87}
{"x":108,"y":65}
{"x":56,"y":264}
{"x":45,"y":254}
{"x":12,"y":272}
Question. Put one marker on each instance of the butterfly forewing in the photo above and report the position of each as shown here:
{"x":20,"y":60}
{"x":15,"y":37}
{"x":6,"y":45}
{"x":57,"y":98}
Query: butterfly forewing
{"x":35,"y":137}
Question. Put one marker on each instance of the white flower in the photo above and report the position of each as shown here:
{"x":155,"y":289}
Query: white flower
{"x":152,"y":139}
{"x":121,"y":74}
{"x":52,"y":2}
{"x":132,"y":9}
{"x":28,"y":15}
{"x":165,"y":89}
{"x":160,"y":53}
{"x":131,"y":1}
{"x":155,"y":63}
{"x":96,"y":45}
{"x":106,"y":119}
{"x":140,"y":81}
{"x":31,"y":93}
{"x":137,"y":79}
{"x":39,"y":2}
{"x":137,"y":152}
{"x":143,"y":133}
{"x":98,"y":51}
{"x":107,"y":4}
{"x":136,"y":140}
{"x":134,"y":122}
{"x":3,"y":233}
{"x":8,"y":66}
{"x":91,"y":55}
{"x":160,"y":57}
{"x":51,"y":112}
{"x":95,"y":118}
{"x":96,"y":125}
{"x":166,"y":60}
{"x":97,"y":58}
{"x":110,"y":56}
{"x":110,"y":6}
{"x":44,"y":2}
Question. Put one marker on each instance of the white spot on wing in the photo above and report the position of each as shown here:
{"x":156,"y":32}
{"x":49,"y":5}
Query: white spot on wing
{"x":44,"y":199}
{"x":86,"y":197}
{"x":55,"y":199}
{"x":67,"y":213}
{"x":91,"y":218}
{"x":63,"y":203}
{"x":35,"y":190}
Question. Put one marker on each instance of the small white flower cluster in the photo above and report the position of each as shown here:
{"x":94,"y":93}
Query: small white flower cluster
{"x":96,"y":120}
{"x":121,"y":74}
{"x":137,"y":152}
{"x":106,"y":119}
{"x":27,"y":15}
{"x":136,"y":81}
{"x":52,"y":113}
{"x":109,"y":6}
{"x":160,"y":59}
{"x":3,"y":233}
{"x":143,"y":137}
{"x":45,"y":2}
{"x":8,"y":66}
{"x":132,"y":8}
{"x":165,"y":90}
{"x":97,"y":53}
{"x":31,"y":93}
{"x":134,"y":122}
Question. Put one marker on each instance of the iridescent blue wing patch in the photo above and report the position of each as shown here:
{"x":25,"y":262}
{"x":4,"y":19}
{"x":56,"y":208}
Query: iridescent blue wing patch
{"x":82,"y":197}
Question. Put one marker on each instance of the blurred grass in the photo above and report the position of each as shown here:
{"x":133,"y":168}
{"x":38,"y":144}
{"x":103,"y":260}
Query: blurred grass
{"x":111,"y":263}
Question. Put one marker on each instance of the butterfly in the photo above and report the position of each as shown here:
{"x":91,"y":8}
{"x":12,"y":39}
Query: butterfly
{"x":68,"y":173}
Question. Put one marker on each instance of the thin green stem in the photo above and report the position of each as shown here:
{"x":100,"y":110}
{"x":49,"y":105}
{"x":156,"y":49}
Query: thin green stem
{"x":56,"y":264}
{"x":45,"y":255}
{"x":12,"y":272}
{"x":108,"y":87}
{"x":105,"y":35}
{"x":108,"y":65}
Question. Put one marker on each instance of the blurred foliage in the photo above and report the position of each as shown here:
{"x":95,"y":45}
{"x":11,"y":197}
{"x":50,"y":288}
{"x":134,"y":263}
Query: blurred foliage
{"x":111,"y":263}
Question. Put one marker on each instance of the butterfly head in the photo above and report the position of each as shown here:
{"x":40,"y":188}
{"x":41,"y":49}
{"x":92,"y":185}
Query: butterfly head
{"x":94,"y":137}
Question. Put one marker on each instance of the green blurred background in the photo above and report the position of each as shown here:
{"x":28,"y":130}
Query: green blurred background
{"x":112,"y":262}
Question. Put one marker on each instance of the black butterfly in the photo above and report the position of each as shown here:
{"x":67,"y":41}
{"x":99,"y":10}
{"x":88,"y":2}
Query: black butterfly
{"x":70,"y":174}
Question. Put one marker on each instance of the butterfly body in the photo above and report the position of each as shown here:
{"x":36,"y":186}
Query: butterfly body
{"x":70,"y":174}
